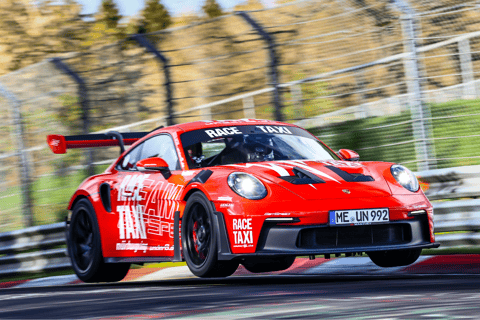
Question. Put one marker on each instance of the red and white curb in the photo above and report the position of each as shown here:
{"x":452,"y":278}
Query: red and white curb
{"x":446,"y":264}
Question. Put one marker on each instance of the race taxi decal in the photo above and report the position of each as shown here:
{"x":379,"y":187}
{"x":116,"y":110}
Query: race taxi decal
{"x":274,"y":129}
{"x":242,"y":232}
{"x":220,"y":132}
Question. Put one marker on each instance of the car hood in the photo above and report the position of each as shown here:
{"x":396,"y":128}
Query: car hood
{"x":321,"y":179}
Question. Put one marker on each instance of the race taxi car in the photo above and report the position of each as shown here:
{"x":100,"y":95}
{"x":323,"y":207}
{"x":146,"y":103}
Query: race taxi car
{"x":253,"y":192}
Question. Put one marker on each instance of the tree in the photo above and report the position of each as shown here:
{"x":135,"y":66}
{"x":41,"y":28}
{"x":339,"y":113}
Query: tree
{"x":212,"y":9}
{"x":110,"y":13}
{"x":28,"y":31}
{"x":155,"y":17}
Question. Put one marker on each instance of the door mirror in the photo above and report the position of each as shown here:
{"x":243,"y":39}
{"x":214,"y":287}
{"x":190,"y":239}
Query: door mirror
{"x":348,"y":155}
{"x":154,"y":164}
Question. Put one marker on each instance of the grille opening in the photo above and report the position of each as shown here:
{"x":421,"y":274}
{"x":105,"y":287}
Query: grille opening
{"x":354,"y":236}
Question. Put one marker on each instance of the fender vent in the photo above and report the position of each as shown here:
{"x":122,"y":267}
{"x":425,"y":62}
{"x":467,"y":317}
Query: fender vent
{"x":105,"y":196}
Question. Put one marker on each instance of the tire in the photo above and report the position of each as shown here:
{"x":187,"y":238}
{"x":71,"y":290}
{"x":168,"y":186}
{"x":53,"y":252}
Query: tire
{"x":259,"y":265}
{"x":85,"y":248}
{"x":199,"y":240}
{"x":396,"y":258}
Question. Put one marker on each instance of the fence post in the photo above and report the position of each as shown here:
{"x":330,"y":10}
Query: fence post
{"x":249,"y":108}
{"x":166,"y":70}
{"x":277,"y":100}
{"x":467,"y":69}
{"x":27,"y":201}
{"x":420,"y":113}
{"x":84,"y":102}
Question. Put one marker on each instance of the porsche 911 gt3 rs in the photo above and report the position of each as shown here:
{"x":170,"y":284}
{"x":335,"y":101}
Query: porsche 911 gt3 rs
{"x":259,"y":193}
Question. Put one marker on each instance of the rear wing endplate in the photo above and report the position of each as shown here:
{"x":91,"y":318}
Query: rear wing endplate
{"x":59,"y":144}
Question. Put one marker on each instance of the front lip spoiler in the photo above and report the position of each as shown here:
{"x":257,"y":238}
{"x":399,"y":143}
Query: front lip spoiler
{"x":308,"y":252}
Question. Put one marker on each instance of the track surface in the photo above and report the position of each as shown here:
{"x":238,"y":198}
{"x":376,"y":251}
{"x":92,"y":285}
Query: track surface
{"x":255,"y":297}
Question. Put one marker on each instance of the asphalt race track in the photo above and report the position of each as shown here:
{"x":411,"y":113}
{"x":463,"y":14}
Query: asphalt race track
{"x":255,"y":297}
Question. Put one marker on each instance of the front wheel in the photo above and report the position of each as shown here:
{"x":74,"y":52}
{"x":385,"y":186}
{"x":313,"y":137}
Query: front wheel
{"x":85,"y":249}
{"x":396,"y":258}
{"x":199,"y":240}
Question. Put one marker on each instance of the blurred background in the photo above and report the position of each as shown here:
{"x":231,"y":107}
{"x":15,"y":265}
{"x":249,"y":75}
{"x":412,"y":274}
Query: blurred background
{"x":393,"y":80}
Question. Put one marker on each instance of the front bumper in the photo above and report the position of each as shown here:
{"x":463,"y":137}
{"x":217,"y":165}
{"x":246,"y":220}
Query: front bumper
{"x":281,"y":239}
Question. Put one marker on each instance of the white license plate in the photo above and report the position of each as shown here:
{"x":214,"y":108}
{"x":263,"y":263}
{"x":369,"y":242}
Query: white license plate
{"x":359,"y":217}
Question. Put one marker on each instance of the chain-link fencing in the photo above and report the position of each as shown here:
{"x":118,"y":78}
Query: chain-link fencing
{"x":396,"y":81}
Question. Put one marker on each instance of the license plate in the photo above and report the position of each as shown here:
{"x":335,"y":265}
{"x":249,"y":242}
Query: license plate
{"x":359,"y":217}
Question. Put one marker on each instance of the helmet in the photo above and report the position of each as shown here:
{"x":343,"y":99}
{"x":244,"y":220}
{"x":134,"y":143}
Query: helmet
{"x":258,"y":147}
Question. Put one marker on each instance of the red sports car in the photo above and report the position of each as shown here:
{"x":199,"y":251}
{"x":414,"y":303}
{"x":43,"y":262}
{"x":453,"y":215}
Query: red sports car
{"x":253,"y":192}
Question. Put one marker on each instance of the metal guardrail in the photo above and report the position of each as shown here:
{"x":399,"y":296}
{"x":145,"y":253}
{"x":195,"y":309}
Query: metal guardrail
{"x":37,"y":249}
{"x":454,"y":213}
{"x":33,"y":250}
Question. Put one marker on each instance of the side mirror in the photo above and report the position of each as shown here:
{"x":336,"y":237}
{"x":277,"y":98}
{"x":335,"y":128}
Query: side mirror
{"x":154,"y":164}
{"x":348,"y":155}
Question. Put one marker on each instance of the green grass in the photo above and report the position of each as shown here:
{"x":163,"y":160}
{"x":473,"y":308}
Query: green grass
{"x":50,"y":195}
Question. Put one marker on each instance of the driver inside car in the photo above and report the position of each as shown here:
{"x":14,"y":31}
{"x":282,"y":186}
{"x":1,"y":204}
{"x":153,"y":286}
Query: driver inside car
{"x":195,"y":155}
{"x":259,"y":147}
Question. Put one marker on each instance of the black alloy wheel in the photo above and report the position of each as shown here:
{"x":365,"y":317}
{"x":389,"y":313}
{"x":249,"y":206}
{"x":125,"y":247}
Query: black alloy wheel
{"x":85,"y":249}
{"x":199,"y":232}
{"x":199,"y":240}
{"x":82,"y":241}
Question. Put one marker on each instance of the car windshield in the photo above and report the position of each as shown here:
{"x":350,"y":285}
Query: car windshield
{"x":242,"y":144}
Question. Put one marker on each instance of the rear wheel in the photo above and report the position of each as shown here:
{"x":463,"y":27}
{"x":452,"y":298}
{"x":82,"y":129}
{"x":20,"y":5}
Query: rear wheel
{"x":396,"y":258}
{"x":268,"y":264}
{"x":199,"y":240}
{"x":85,"y":250}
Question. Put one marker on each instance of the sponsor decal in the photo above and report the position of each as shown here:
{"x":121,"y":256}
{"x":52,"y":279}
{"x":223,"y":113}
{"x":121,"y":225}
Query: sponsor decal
{"x":242,"y":232}
{"x":274,"y":129}
{"x":131,"y":188}
{"x":141,"y":213}
{"x":225,"y":199}
{"x":181,"y":159}
{"x":220,"y":132}
{"x":127,"y":246}
{"x":166,"y":247}
{"x":278,"y":214}
{"x":226,"y":205}
{"x":131,"y":223}
{"x":188,"y":173}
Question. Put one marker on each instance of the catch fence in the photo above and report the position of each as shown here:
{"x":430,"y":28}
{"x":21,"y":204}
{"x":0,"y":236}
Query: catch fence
{"x":396,"y":81}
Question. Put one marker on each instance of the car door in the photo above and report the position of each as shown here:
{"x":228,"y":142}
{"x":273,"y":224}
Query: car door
{"x":145,"y":202}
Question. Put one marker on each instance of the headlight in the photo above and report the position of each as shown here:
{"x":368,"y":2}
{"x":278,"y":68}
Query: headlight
{"x":247,"y":186}
{"x":405,"y":177}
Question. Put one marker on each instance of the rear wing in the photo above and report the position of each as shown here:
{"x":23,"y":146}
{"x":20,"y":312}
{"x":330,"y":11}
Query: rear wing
{"x":59,"y":144}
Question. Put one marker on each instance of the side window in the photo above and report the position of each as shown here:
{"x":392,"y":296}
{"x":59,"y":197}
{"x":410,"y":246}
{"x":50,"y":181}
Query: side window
{"x":161,"y":146}
{"x":130,"y":160}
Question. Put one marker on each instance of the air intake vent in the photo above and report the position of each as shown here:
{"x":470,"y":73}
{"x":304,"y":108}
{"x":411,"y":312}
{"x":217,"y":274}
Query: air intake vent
{"x":302,"y":176}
